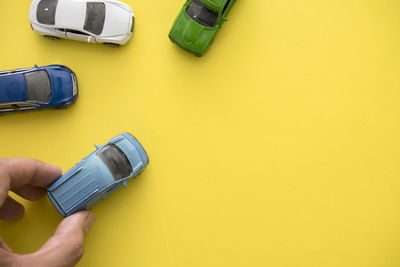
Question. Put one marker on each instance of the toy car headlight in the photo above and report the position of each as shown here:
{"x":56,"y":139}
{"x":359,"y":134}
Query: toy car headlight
{"x":132,"y":23}
{"x":74,"y":84}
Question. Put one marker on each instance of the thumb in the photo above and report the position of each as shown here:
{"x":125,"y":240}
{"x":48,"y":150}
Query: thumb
{"x":65,"y":247}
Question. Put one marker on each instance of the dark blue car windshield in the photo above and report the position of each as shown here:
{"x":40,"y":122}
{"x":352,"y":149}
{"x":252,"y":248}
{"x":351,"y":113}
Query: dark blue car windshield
{"x":202,"y":14}
{"x":38,"y":87}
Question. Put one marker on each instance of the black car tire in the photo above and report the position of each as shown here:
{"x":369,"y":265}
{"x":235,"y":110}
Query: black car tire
{"x":111,"y":44}
{"x":51,"y":37}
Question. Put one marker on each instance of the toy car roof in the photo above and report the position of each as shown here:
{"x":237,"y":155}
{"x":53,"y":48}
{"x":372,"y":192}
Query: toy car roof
{"x":216,"y":4}
{"x":71,"y":14}
{"x":12,"y":88}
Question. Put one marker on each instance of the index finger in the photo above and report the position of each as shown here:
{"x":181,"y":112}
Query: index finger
{"x":18,"y":172}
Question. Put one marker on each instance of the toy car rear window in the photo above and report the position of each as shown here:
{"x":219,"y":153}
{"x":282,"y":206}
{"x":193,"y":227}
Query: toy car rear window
{"x":46,"y":11}
{"x":116,"y":161}
{"x":202,"y":14}
{"x":95,"y":16}
{"x":38,"y":86}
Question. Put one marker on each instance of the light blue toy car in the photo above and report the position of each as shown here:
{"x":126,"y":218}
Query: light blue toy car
{"x":98,"y":175}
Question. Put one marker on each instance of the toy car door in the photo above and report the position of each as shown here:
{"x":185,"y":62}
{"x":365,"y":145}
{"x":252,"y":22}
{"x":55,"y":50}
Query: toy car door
{"x":26,"y":106}
{"x":13,"y":71}
{"x":59,"y":32}
{"x":227,"y":8}
{"x":6,"y":108}
{"x":78,"y":36}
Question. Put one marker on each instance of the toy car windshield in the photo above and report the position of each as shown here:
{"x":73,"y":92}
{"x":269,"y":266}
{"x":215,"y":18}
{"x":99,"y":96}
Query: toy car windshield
{"x":38,"y":87}
{"x":116,"y":161}
{"x":202,"y":14}
{"x":46,"y":11}
{"x":95,"y":16}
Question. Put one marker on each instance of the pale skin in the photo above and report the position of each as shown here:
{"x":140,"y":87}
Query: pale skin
{"x":28,"y":178}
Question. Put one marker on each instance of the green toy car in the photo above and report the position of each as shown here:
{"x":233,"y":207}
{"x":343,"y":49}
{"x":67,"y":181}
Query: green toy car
{"x":198,"y":23}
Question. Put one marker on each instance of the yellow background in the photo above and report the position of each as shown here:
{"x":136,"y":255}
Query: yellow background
{"x":279,"y":147}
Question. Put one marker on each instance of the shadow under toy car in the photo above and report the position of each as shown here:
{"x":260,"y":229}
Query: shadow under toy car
{"x":98,"y":175}
{"x":197,"y":24}
{"x":53,"y":86}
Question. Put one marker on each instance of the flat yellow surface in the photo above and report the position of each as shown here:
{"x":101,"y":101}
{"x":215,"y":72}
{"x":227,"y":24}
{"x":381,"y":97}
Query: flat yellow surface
{"x":279,"y":147}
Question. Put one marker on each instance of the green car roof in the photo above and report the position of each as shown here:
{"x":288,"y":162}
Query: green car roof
{"x":193,"y":36}
{"x":215,"y":4}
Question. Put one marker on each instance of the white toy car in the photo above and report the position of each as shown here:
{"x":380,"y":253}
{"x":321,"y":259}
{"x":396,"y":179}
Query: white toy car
{"x":97,"y":21}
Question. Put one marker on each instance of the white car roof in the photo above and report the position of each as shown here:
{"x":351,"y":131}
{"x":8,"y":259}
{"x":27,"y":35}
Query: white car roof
{"x":71,"y":14}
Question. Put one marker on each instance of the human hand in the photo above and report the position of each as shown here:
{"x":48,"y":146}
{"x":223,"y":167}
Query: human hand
{"x":29,"y":178}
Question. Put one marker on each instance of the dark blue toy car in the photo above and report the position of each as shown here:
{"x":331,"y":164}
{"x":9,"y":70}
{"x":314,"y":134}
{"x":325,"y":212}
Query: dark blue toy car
{"x":53,"y":86}
{"x":98,"y":175}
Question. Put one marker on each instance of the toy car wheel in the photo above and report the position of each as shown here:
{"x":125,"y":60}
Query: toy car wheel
{"x":60,"y":107}
{"x":51,"y":37}
{"x":111,"y":44}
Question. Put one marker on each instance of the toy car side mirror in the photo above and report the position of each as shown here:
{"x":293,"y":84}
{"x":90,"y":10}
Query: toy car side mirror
{"x":97,"y":146}
{"x":224,"y":19}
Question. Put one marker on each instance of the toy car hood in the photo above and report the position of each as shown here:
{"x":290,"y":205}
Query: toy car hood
{"x":191,"y":35}
{"x":117,"y":21}
{"x":12,"y":88}
{"x":63,"y":84}
{"x":132,"y":149}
